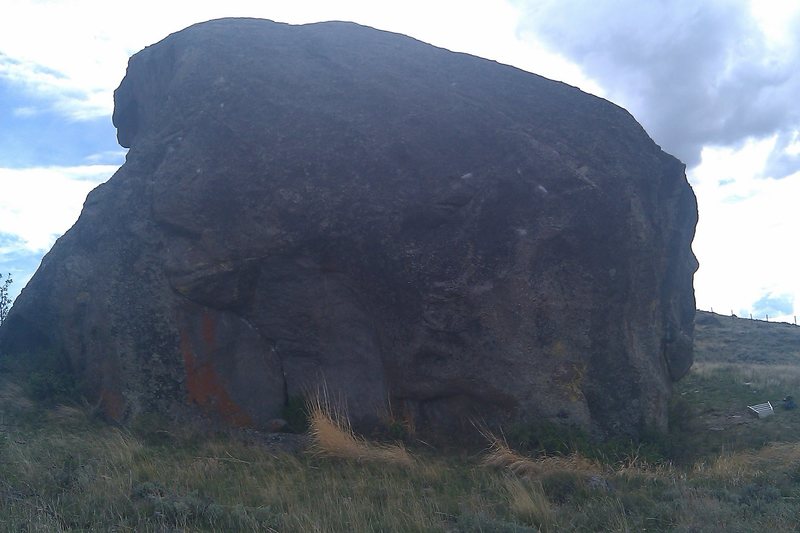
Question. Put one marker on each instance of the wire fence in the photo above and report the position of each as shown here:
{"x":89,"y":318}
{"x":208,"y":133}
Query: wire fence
{"x":780,"y":318}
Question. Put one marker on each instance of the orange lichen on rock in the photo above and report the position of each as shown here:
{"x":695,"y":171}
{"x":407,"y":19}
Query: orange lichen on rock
{"x":209,"y":330}
{"x":204,"y":385}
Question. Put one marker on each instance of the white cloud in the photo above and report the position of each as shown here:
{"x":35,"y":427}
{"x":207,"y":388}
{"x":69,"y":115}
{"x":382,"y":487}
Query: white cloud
{"x":693,"y":73}
{"x":65,"y":94}
{"x":793,"y":146}
{"x":747,"y":231}
{"x":106,"y":157}
{"x":37,"y":205}
{"x":26,"y":111}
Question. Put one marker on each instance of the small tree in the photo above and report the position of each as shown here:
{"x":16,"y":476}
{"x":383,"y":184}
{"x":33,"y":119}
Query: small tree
{"x":5,"y":300}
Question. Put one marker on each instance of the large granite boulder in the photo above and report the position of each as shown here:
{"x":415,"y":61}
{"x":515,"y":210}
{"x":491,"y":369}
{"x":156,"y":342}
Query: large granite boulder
{"x":332,"y":204}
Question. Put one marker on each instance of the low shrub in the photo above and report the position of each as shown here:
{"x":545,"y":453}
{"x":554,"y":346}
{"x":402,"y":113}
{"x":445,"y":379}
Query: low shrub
{"x":48,"y":378}
{"x":295,"y":413}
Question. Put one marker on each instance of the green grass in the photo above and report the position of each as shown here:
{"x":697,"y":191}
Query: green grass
{"x":719,"y":469}
{"x":738,"y":362}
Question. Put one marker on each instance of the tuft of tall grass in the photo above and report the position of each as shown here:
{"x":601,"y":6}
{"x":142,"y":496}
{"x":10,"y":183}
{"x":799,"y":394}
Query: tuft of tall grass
{"x":529,"y":504}
{"x":13,"y":398}
{"x":500,"y":455}
{"x":736,"y":469}
{"x":332,"y":436}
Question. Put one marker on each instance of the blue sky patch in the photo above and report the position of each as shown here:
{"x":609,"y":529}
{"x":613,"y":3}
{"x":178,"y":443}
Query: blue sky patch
{"x":773,"y":305}
{"x":33,"y":134}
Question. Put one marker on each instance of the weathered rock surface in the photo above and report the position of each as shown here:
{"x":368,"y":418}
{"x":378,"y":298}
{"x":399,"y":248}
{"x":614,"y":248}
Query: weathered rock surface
{"x":333,"y":204}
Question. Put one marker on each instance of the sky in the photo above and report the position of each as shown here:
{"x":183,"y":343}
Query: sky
{"x":714,"y":83}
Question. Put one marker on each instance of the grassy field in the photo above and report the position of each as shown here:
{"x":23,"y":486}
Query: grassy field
{"x":719,"y":469}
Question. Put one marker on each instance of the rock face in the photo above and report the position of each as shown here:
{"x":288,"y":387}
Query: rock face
{"x":333,"y":204}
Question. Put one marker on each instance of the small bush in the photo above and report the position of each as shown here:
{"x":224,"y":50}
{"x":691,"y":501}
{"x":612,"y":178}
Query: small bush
{"x":296,"y":414}
{"x":154,"y":429}
{"x":757,"y":494}
{"x":5,"y":299}
{"x":548,"y":437}
{"x":566,"y":486}
{"x":50,"y":379}
{"x":397,"y":425}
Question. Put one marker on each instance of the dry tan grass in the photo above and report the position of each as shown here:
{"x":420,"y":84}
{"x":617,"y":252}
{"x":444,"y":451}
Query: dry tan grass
{"x":739,"y":468}
{"x":530,"y":504}
{"x":332,"y":436}
{"x":500,"y":455}
{"x":733,"y":469}
{"x":67,"y":414}
{"x":12,"y":396}
{"x":636,"y":467}
{"x":759,"y":375}
{"x":699,"y":511}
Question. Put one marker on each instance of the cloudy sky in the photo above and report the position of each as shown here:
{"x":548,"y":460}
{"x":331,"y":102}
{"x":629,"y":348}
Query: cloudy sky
{"x":715,"y":83}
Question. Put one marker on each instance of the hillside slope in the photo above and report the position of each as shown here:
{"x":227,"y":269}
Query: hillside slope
{"x":726,"y":339}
